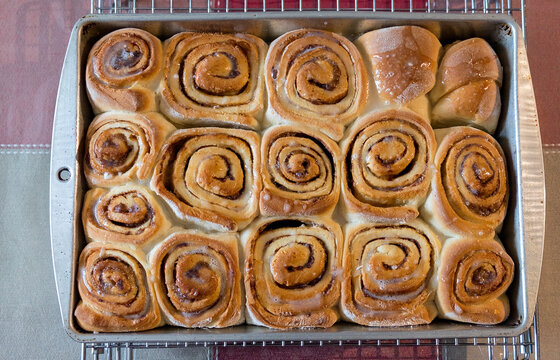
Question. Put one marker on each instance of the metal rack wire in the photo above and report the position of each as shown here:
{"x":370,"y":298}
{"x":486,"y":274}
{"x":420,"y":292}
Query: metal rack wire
{"x":524,"y":346}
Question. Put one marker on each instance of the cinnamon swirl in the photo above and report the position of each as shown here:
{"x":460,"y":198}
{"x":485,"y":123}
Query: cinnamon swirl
{"x":389,"y":274}
{"x":291,"y":272}
{"x":469,"y":190}
{"x":121,"y":147}
{"x":116,"y":295}
{"x":124,"y":214}
{"x":197,"y":279}
{"x":474,"y":274}
{"x":300,"y":172}
{"x":316,"y":78}
{"x":123,"y":71}
{"x":387,"y":166}
{"x":210,"y":176}
{"x":211,"y":79}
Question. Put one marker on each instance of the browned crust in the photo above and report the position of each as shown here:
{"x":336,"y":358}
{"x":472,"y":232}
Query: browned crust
{"x":276,"y":201}
{"x":418,"y":309}
{"x":418,"y":49}
{"x":324,"y":315}
{"x":228,"y":311}
{"x":212,"y":218}
{"x":392,"y":211}
{"x":442,"y":210}
{"x":477,"y":104}
{"x":151,"y":126}
{"x":333,"y":124}
{"x":489,"y":309}
{"x":96,"y":231}
{"x":136,"y":93}
{"x":91,"y":319}
{"x":184,"y":110}
{"x":464,"y":62}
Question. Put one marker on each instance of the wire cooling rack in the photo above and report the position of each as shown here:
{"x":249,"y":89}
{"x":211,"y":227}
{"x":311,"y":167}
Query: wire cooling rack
{"x":524,"y":346}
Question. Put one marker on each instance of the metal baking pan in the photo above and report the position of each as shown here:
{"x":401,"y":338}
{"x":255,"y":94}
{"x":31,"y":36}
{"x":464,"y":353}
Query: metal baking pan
{"x":518,"y":133}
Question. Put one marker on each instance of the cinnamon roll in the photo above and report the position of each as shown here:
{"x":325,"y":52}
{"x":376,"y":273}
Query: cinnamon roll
{"x":300,"y":172}
{"x":124,"y":214}
{"x":211,"y":79}
{"x":197,"y":279}
{"x":469,"y":191}
{"x":316,"y":78}
{"x":121,"y":147}
{"x":403,"y":61}
{"x":389,"y":274}
{"x":210,"y":176}
{"x":387,"y":166}
{"x":123,"y":71}
{"x":467,"y":90}
{"x":474,"y":275}
{"x":291,"y":272}
{"x":115,"y":293}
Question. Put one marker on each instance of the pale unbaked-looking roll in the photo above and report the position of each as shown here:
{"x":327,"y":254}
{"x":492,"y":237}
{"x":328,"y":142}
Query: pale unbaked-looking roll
{"x":127,"y":214}
{"x":123,"y":71}
{"x":197,"y":279}
{"x":467,"y":90}
{"x":123,"y":147}
{"x":389,"y":273}
{"x":315,"y":78}
{"x":469,"y":191}
{"x":300,"y":170}
{"x":213,"y":79}
{"x":116,"y":294}
{"x":211,"y":176}
{"x":474,"y":275}
{"x":292,"y":272}
{"x":387,"y":166}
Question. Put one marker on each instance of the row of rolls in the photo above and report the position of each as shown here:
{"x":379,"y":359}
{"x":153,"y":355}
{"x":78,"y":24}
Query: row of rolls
{"x":208,"y":223}
{"x":306,"y":77}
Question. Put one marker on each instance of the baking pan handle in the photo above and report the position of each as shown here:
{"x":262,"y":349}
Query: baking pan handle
{"x":532,"y":178}
{"x":63,"y":178}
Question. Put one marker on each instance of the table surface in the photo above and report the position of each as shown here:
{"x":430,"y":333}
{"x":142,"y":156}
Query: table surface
{"x":35,"y":35}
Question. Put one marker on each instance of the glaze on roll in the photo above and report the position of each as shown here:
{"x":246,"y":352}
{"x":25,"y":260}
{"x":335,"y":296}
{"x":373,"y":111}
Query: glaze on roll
{"x":292,"y":267}
{"x":316,"y":78}
{"x":389,"y":274}
{"x":197,"y":279}
{"x":387,"y":166}
{"x":210,"y":176}
{"x":474,"y":275}
{"x":300,"y":170}
{"x":122,"y":147}
{"x":115,"y":291}
{"x":123,"y":71}
{"x":213,"y":79}
{"x":469,"y":191}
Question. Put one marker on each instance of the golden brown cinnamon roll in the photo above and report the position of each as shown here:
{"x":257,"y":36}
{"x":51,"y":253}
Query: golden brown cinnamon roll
{"x":316,"y":78}
{"x":474,"y":275}
{"x":467,"y":90}
{"x":197,"y":279}
{"x":469,"y":191}
{"x":121,"y":147}
{"x":116,"y":295}
{"x":403,"y":60}
{"x":213,"y":79}
{"x":387,"y":166}
{"x":389,"y":274}
{"x":124,"y":214}
{"x":300,"y":172}
{"x":123,"y":71}
{"x":291,"y":272}
{"x":210,"y":176}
